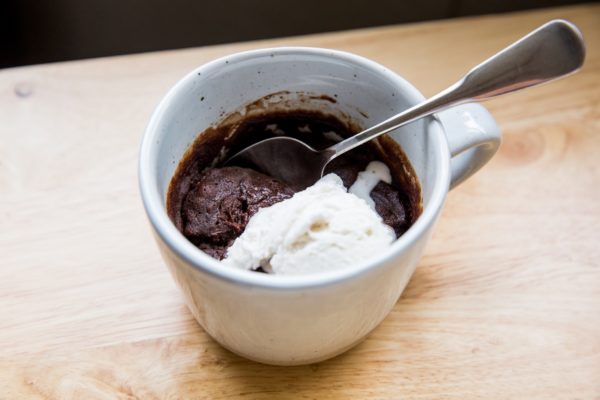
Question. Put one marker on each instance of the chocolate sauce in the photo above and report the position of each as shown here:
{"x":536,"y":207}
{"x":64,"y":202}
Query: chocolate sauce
{"x":211,"y":204}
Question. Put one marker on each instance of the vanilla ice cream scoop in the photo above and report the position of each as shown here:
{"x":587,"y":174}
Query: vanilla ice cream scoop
{"x":321,"y":228}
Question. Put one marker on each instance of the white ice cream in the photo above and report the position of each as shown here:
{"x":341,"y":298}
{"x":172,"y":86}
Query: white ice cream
{"x":321,"y":228}
{"x":369,"y":178}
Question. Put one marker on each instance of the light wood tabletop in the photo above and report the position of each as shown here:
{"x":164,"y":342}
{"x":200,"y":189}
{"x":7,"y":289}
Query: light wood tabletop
{"x":505,"y":303}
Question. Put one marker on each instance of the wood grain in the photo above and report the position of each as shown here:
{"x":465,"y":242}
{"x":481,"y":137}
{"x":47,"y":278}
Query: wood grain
{"x":505,"y":304}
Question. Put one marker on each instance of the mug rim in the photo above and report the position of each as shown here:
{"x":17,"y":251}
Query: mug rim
{"x":183,"y":248}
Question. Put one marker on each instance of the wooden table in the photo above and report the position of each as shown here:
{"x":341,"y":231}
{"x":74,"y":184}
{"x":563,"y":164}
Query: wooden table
{"x":505,"y":304}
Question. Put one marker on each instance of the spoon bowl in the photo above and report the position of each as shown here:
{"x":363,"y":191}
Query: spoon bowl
{"x":286,"y":159}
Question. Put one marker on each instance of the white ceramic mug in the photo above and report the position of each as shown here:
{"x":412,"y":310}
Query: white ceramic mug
{"x":289,"y":320}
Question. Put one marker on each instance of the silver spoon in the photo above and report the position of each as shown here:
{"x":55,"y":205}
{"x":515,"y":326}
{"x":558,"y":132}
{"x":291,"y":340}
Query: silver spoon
{"x":553,"y":50}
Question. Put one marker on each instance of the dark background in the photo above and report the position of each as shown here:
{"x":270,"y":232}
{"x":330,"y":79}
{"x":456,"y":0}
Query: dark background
{"x":39,"y":31}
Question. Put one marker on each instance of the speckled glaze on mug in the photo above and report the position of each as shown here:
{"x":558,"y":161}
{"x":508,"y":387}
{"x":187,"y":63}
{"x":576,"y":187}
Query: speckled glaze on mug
{"x":303,"y":319}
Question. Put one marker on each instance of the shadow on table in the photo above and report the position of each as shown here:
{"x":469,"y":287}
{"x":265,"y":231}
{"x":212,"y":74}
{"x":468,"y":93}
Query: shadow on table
{"x":385,"y":356}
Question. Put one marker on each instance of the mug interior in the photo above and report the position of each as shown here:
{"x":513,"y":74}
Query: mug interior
{"x":365,"y":91}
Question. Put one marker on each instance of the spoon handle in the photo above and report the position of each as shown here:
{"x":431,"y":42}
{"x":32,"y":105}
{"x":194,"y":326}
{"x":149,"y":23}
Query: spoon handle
{"x":553,"y":50}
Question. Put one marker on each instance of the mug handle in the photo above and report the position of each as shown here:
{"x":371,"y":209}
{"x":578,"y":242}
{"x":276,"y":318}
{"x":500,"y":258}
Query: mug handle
{"x":473,"y":139}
